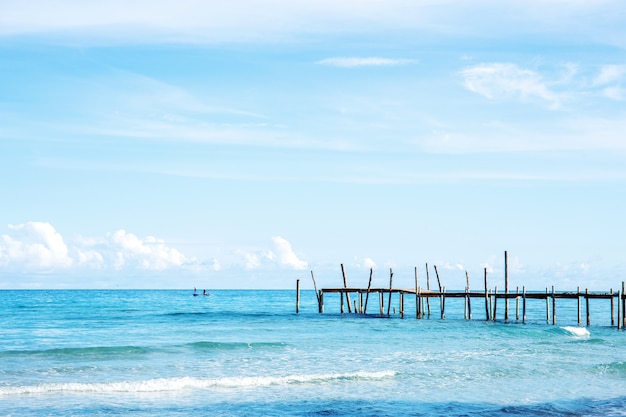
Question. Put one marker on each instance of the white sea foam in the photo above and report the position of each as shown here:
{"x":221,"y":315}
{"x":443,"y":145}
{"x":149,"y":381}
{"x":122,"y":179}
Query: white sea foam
{"x":178,"y":384}
{"x":577,"y":331}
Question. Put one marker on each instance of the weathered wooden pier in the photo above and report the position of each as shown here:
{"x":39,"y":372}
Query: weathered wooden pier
{"x":364,"y":297}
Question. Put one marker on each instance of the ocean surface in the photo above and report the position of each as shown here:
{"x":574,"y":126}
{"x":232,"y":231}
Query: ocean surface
{"x":247,"y":353}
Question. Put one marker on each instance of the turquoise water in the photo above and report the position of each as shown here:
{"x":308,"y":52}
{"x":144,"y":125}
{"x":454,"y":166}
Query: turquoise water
{"x":167,"y":353}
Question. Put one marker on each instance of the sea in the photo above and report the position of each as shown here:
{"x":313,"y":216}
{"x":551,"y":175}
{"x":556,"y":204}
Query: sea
{"x":248,"y":353}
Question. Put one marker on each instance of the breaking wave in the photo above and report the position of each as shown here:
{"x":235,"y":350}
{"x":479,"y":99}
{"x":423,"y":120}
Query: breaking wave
{"x":183,"y":383}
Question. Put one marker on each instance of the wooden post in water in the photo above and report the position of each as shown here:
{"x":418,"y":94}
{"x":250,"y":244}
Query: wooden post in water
{"x":524,"y":304}
{"x":623,"y":299}
{"x":390,"y":288}
{"x":428,"y":288}
{"x":341,"y":296}
{"x":623,"y":305}
{"x":506,"y":287}
{"x":469,"y":304}
{"x":417,"y":297}
{"x":487,"y":316}
{"x":321,"y":301}
{"x":319,"y":304}
{"x":613,"y":309}
{"x":297,"y":296}
{"x":401,"y":305}
{"x":443,"y":304}
{"x":360,"y":302}
{"x":439,"y":284}
{"x":381,"y":303}
{"x":587,"y":305}
{"x":517,"y":304}
{"x":495,"y":303}
{"x":578,"y":298}
{"x":345,"y":285}
{"x":619,"y":321}
{"x":547,"y":308}
{"x":367,"y":296}
{"x":553,"y":307}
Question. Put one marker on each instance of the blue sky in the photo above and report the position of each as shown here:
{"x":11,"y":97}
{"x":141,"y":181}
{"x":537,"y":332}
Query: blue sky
{"x":165,"y":144}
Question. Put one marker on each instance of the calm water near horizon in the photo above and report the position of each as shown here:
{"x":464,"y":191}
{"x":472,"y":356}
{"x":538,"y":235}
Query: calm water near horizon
{"x":235,"y":353}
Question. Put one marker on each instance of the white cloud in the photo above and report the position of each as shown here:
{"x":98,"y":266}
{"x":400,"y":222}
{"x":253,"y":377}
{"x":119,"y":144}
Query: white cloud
{"x":37,"y":246}
{"x":614,"y":93}
{"x":369,"y":263}
{"x":34,"y":245}
{"x":216,"y":265}
{"x":210,"y":21}
{"x":150,"y":253}
{"x":505,"y":80}
{"x":282,"y":255}
{"x":610,"y":74}
{"x":286,"y":255}
{"x":351,"y":62}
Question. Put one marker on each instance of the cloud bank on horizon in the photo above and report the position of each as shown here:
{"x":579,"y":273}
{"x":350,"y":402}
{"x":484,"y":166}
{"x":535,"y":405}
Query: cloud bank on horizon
{"x":37,"y":247}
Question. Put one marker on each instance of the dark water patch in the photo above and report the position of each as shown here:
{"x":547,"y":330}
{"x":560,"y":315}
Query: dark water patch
{"x":184,"y":314}
{"x":204,"y":346}
{"x":323,"y":408}
{"x":93,"y":352}
{"x":616,"y":368}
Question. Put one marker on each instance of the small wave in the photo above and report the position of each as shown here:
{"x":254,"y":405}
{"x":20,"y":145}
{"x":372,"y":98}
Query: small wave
{"x":178,"y":384}
{"x":579,"y":332}
{"x":79,"y":352}
{"x":233,"y":345}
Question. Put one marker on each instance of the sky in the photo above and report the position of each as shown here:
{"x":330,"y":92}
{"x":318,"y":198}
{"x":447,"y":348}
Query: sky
{"x":179,"y":144}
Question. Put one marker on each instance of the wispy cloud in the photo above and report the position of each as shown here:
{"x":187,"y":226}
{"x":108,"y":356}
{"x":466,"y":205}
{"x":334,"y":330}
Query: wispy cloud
{"x":611,"y":80}
{"x":507,"y":80}
{"x":353,"y":62}
{"x":610,"y":74}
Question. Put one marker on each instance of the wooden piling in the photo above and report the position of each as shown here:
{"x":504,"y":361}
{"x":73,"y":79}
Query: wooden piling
{"x":619,"y":317}
{"x":487,"y":316}
{"x":613,"y":309}
{"x":345,"y":285}
{"x":341,"y":296}
{"x":506,"y":287}
{"x":390,"y":288}
{"x":469,"y":304}
{"x":578,"y":299}
{"x":360,"y":310}
{"x":439,"y":284}
{"x":369,"y":285}
{"x":517,"y":304}
{"x":524,"y":304}
{"x":443,"y":303}
{"x":495,"y":303}
{"x":428,"y":288}
{"x":321,"y":307}
{"x":297,"y":296}
{"x":623,"y":299}
{"x":417,"y":297}
{"x":381,"y":303}
{"x":553,"y":307}
{"x":401,"y":305}
{"x":587,"y":305}
{"x":547,"y":308}
{"x":623,"y":305}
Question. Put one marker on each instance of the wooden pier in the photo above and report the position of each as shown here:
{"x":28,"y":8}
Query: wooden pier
{"x":365,"y":297}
